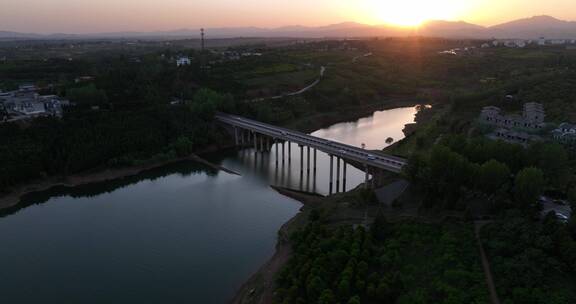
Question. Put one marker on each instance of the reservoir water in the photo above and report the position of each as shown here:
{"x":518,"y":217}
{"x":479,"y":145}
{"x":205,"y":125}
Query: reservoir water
{"x":178,"y":234}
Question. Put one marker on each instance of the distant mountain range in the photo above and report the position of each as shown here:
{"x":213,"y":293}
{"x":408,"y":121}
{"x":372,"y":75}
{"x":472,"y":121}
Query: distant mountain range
{"x":529,"y":28}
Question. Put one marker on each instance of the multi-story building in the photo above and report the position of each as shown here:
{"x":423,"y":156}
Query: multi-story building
{"x":514,"y":127}
{"x":532,"y":117}
{"x":533,"y":112}
{"x":25,"y":103}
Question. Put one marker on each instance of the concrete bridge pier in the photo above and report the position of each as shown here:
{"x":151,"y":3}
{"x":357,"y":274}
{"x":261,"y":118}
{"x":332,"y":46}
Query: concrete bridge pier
{"x":366,"y":177}
{"x":262,"y":144}
{"x":308,"y":161}
{"x":283,"y":149}
{"x":337,"y":174}
{"x":301,"y":159}
{"x":331,"y":172}
{"x":315,"y":158}
{"x":277,"y":155}
{"x":344,"y":176}
{"x":289,"y":153}
{"x":255,"y":142}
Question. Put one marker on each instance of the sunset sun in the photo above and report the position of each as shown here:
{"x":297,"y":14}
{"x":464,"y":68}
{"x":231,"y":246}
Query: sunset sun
{"x":412,"y":13}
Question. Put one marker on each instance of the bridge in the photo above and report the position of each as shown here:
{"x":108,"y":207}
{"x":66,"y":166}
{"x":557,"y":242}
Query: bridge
{"x":262,"y":135}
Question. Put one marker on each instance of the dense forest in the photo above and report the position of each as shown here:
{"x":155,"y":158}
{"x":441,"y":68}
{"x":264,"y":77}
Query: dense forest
{"x":507,"y":174}
{"x":403,"y":263}
{"x":100,"y":139}
{"x":532,"y":261}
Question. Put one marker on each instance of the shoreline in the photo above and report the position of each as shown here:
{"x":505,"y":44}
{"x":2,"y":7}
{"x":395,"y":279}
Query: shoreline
{"x":259,"y":287}
{"x":306,"y":124}
{"x":14,"y":197}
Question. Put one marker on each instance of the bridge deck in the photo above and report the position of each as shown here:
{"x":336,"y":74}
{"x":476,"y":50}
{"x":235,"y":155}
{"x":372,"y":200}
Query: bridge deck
{"x":351,"y":153}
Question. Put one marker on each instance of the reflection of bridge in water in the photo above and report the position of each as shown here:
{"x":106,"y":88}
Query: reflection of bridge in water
{"x":262,"y":136}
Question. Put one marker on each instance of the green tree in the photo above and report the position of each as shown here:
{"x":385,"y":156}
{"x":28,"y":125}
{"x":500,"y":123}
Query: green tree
{"x":380,"y":228}
{"x":528,"y":185}
{"x":354,"y":300}
{"x":183,"y":146}
{"x":315,"y":288}
{"x":553,"y":160}
{"x":415,"y":167}
{"x":344,"y":288}
{"x":206,"y":102}
{"x":493,"y":176}
{"x":88,"y":95}
{"x":327,"y":297}
{"x":572,"y":198}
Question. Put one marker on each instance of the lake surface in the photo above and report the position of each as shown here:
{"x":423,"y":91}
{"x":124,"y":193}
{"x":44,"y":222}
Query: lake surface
{"x":178,"y":234}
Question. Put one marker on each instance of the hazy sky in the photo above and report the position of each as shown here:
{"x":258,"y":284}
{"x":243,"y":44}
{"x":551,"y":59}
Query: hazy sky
{"x":86,"y":16}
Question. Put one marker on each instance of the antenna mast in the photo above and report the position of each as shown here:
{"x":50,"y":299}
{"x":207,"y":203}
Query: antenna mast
{"x":202,"y":35}
{"x":202,"y":51}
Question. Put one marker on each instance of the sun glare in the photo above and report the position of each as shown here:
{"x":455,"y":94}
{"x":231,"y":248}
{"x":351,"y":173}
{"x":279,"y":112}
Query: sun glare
{"x":412,"y":13}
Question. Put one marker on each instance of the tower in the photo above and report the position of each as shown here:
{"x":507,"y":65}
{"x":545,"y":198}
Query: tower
{"x":202,"y":37}
{"x":202,"y":51}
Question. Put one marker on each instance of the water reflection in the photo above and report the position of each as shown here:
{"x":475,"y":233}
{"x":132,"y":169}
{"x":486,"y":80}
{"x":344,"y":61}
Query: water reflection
{"x":295,"y":170}
{"x":180,"y":234}
{"x":182,"y":169}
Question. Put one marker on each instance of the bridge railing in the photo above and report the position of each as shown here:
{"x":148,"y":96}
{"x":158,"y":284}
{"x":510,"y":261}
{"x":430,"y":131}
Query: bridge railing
{"x":345,"y":151}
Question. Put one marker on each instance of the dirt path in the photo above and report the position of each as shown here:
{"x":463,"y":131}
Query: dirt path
{"x":299,"y":92}
{"x":486,"y":264}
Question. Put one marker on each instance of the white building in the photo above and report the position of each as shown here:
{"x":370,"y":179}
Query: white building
{"x":565,"y":133}
{"x":181,"y":61}
{"x":25,"y":103}
{"x":558,"y":42}
{"x":542,"y":41}
{"x":520,"y":43}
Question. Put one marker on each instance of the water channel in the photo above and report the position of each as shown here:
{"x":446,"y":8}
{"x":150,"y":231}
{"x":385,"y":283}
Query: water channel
{"x":183,"y":233}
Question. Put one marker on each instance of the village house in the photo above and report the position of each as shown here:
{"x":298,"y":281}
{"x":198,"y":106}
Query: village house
{"x":183,"y":60}
{"x":532,"y":117}
{"x":565,"y":133}
{"x":542,"y":41}
{"x":514,"y":136}
{"x":515,"y":128}
{"x":26,"y":103}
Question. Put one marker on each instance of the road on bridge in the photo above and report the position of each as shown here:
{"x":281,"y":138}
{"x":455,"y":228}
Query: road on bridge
{"x":344,"y":151}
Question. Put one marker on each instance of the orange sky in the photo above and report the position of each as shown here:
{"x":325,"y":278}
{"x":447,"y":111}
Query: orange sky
{"x":88,"y":16}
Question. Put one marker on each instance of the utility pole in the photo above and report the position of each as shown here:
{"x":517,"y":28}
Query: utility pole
{"x":202,"y":50}
{"x":202,"y":35}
